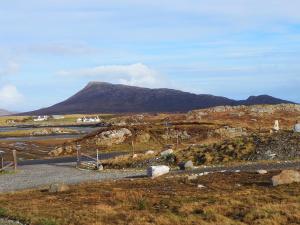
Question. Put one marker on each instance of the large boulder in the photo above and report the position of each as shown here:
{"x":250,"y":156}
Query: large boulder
{"x":58,"y":187}
{"x":112,"y":137}
{"x":286,"y":177}
{"x":156,"y":171}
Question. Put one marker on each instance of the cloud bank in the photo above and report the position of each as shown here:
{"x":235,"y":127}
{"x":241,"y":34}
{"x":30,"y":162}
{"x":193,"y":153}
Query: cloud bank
{"x":136,"y":74}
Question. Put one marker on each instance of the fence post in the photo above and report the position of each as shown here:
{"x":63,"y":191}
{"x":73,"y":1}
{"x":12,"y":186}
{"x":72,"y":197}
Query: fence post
{"x":78,"y":155}
{"x":133,"y":147}
{"x":97,"y":163}
{"x":2,"y":160}
{"x":15,"y":159}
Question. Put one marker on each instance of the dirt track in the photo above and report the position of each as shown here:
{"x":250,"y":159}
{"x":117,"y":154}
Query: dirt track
{"x":35,"y":176}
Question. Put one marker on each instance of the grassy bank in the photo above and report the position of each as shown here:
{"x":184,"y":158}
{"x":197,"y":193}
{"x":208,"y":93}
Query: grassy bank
{"x":244,"y":198}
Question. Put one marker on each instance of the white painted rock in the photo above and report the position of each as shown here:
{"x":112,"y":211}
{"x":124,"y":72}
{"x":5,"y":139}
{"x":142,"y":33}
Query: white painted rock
{"x":262,"y":171}
{"x":286,"y":177}
{"x":156,"y":171}
{"x":276,"y":125}
{"x":166,"y":152}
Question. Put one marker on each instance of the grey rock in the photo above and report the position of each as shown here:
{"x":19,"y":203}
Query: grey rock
{"x":166,"y":152}
{"x":58,"y":187}
{"x":297,"y":128}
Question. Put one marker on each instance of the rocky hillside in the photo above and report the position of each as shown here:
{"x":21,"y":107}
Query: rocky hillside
{"x":99,"y":97}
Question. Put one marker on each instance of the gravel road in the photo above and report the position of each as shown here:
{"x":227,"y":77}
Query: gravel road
{"x":35,"y":176}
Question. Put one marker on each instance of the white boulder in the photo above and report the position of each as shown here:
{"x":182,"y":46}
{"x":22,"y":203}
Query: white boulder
{"x":156,"y":171}
{"x":262,"y":171}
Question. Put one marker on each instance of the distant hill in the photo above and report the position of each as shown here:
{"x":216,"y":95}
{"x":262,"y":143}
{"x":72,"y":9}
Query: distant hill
{"x":100,"y":97}
{"x":4,"y":112}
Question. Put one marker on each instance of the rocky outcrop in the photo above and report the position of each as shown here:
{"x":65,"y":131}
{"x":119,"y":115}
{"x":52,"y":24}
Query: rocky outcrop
{"x":281,"y":146}
{"x":286,"y":177}
{"x":231,"y":132}
{"x":174,"y":134}
{"x":254,"y":110}
{"x":111,"y":137}
{"x":52,"y":131}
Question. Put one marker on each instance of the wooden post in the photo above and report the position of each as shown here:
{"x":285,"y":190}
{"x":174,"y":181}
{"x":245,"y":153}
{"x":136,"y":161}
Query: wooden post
{"x":2,"y":162}
{"x":132,"y":144}
{"x":78,"y":156}
{"x":97,"y":163}
{"x":15,"y":159}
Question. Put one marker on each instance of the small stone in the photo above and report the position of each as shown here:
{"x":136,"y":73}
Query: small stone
{"x":134,"y":156}
{"x":100,"y":167}
{"x":237,"y":171}
{"x":200,"y":186}
{"x":262,"y":171}
{"x":192,"y":177}
{"x":58,"y":187}
{"x":286,"y":177}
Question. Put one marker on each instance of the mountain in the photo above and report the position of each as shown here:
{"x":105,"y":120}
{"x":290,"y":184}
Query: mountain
{"x":4,"y":112}
{"x":100,"y":97}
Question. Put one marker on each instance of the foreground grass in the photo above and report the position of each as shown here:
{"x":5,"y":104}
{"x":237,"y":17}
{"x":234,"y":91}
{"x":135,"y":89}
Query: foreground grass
{"x":244,"y":198}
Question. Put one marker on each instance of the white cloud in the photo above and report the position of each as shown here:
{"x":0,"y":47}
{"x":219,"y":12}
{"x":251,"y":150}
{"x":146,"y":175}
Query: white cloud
{"x":134,"y":74}
{"x":9,"y":96}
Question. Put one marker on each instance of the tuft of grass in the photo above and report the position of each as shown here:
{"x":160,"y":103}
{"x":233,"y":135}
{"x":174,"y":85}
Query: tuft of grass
{"x":46,"y":221}
{"x":3,"y":212}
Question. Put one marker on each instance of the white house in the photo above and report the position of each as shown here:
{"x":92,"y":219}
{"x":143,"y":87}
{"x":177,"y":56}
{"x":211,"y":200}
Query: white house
{"x":89,"y":120}
{"x":40,"y":118}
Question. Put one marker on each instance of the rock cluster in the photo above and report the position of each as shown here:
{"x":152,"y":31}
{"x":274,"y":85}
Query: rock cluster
{"x":231,"y":132}
{"x":112,"y":137}
{"x":174,"y":134}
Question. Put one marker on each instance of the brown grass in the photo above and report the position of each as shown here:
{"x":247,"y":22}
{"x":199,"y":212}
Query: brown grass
{"x":244,"y":198}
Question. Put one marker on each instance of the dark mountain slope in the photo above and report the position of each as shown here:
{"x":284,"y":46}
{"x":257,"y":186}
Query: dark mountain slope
{"x":100,"y":97}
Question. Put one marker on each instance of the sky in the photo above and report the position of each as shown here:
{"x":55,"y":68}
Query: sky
{"x":51,"y":49}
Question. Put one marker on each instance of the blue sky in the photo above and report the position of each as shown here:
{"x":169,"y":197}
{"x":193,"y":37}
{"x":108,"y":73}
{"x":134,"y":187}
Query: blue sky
{"x":235,"y":48}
